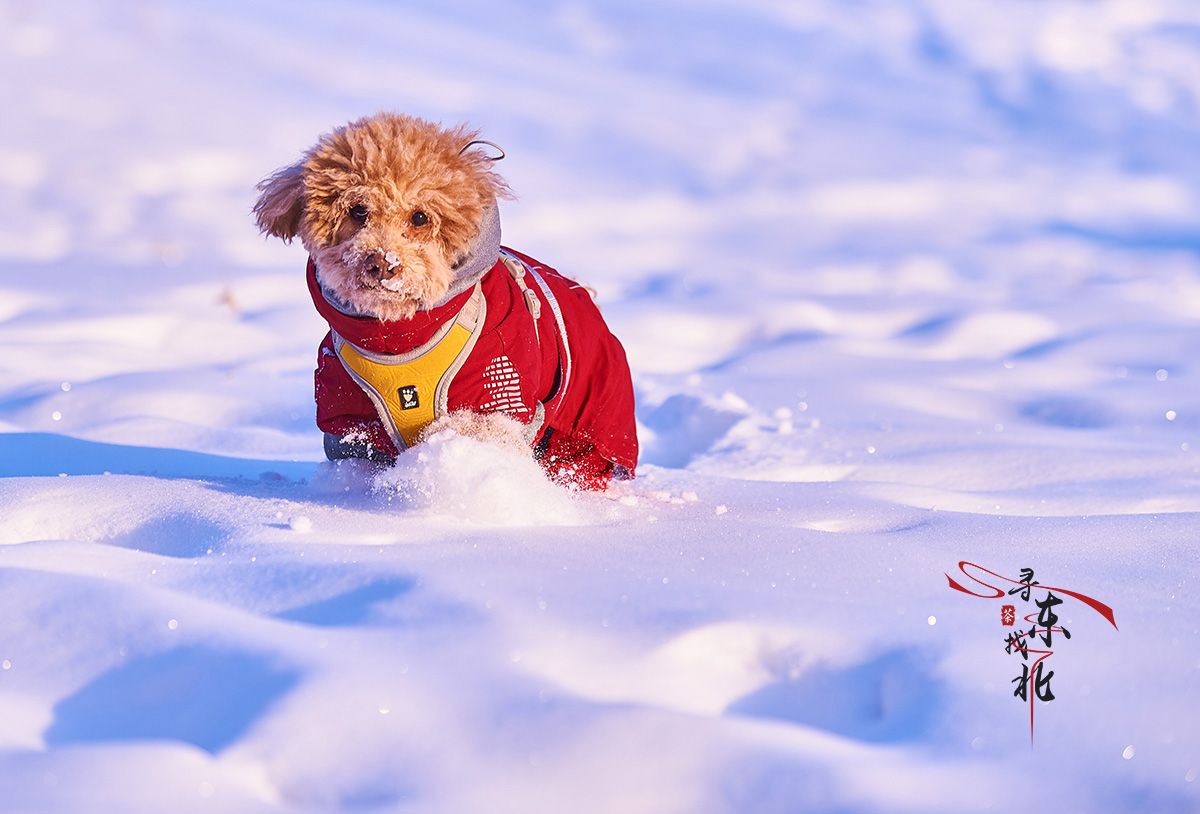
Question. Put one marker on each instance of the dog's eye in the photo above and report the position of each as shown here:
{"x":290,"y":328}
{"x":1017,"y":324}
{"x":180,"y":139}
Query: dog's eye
{"x":359,"y":213}
{"x":419,"y":218}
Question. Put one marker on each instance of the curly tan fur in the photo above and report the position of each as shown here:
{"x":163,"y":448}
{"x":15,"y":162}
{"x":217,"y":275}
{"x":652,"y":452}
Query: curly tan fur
{"x":385,"y":205}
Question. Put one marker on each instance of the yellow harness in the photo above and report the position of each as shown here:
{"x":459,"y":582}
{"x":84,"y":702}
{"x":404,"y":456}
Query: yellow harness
{"x":410,"y":390}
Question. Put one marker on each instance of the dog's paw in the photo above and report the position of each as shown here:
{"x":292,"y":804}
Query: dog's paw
{"x":341,"y":447}
{"x":493,"y":428}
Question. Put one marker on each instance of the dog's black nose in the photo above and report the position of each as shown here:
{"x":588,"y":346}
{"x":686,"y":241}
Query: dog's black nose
{"x":377,"y":267}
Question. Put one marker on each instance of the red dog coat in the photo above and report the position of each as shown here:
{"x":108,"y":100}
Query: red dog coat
{"x":542,"y":355}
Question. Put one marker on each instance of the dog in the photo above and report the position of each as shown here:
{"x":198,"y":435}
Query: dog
{"x":433,"y":324}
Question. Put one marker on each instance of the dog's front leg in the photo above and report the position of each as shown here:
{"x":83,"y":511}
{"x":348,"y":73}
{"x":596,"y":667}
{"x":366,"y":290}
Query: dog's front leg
{"x":339,"y":447}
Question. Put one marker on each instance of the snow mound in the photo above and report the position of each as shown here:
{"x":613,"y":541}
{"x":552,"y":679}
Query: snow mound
{"x":454,"y":475}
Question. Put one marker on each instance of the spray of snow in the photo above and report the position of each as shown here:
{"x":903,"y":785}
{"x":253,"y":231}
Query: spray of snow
{"x":457,"y":476}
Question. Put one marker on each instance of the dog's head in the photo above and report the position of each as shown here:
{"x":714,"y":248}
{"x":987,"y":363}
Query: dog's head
{"x":389,"y":207}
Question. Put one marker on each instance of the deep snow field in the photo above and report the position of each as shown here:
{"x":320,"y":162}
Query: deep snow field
{"x":902,"y":283}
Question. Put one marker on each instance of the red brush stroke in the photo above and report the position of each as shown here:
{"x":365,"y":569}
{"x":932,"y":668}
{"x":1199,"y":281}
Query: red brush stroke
{"x":1095,"y":604}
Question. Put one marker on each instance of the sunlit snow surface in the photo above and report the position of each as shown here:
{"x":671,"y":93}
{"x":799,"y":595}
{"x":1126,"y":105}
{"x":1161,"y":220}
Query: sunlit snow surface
{"x":902,"y":283}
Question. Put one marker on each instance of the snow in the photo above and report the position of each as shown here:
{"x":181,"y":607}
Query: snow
{"x":903,"y":283}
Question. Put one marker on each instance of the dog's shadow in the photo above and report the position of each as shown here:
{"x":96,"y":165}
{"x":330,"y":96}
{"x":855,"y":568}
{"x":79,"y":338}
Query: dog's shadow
{"x":43,"y":454}
{"x":37,"y":454}
{"x":179,"y":531}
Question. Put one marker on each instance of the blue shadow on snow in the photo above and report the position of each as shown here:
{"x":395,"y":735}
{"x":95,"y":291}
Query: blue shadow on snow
{"x":34,"y":454}
{"x":198,"y":694}
{"x":179,"y":534}
{"x":888,"y":699}
{"x":684,"y":427}
{"x":350,"y":608}
{"x":1146,"y":238}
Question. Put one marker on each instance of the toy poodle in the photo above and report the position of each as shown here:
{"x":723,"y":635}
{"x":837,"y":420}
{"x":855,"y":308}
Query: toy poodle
{"x":435,"y":325}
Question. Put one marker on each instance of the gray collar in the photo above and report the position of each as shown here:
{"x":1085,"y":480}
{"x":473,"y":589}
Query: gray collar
{"x":479,"y":258}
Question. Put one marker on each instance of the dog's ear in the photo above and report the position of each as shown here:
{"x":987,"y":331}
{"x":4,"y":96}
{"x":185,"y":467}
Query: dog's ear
{"x":281,"y":202}
{"x":478,"y":155}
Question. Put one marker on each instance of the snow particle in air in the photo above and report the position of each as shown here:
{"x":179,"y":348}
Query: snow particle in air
{"x":932,"y":620}
{"x":384,"y":710}
{"x":1192,"y":774}
{"x":1128,"y":753}
{"x":56,"y":415}
{"x":1170,"y":415}
{"x":1161,"y":375}
{"x":977,"y":744}
{"x":515,"y":656}
{"x":173,"y":624}
{"x":66,"y":386}
{"x":6,"y":664}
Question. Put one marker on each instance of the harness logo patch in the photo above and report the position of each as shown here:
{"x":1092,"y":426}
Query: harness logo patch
{"x":408,"y":397}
